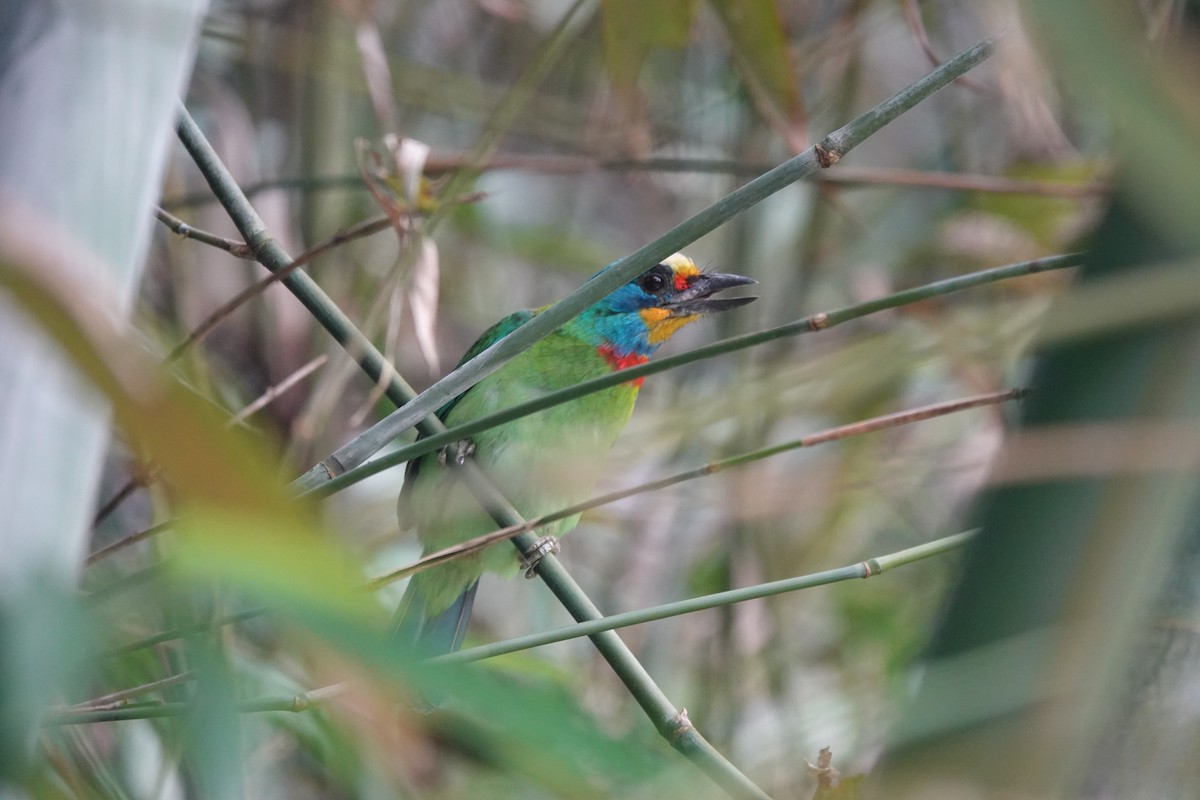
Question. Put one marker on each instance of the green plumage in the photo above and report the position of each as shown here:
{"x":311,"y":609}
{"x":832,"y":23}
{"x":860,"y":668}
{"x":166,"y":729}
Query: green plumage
{"x":544,"y":461}
{"x":541,"y":462}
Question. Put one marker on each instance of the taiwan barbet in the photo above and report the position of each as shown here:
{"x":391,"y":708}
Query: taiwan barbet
{"x":546,"y":460}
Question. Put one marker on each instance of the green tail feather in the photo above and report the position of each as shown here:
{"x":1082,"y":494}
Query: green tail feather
{"x":437,"y":634}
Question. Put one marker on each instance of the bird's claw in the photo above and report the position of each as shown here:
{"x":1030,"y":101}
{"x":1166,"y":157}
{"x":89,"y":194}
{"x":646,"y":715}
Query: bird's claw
{"x":534,"y":555}
{"x":455,"y":455}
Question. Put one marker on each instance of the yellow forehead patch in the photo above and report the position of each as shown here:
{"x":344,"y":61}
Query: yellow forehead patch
{"x":660,"y":325}
{"x":681,"y":265}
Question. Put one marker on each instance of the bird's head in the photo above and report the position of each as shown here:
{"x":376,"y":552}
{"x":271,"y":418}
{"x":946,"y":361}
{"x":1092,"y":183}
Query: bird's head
{"x":632,"y":321}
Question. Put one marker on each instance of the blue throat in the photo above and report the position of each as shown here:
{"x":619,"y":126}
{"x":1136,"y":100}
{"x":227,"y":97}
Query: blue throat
{"x":615,"y":323}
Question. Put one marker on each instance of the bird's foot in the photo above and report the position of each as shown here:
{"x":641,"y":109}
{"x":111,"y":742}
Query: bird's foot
{"x":455,"y":455}
{"x":534,"y":555}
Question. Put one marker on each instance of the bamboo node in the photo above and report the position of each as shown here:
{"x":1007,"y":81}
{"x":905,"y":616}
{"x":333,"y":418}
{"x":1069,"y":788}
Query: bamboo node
{"x":826,"y":157}
{"x":681,"y":725}
{"x":824,"y":771}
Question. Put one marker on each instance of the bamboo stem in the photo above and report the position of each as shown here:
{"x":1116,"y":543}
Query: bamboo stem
{"x":863,"y":569}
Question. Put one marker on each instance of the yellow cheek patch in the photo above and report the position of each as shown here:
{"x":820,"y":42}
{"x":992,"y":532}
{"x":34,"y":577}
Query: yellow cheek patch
{"x":660,"y":325}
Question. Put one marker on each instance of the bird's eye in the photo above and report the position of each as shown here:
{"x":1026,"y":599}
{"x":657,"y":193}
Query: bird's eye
{"x":653,"y":281}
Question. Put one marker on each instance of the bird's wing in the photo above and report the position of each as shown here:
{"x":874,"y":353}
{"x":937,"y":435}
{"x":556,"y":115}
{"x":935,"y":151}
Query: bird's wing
{"x":489,"y":337}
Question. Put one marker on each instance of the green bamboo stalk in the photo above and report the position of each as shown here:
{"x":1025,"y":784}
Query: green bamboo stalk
{"x":817,"y":322}
{"x":866,"y":569}
{"x":672,"y":724}
{"x":822,"y":155}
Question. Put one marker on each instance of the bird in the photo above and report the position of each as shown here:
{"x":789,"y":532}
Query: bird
{"x":547,"y":460}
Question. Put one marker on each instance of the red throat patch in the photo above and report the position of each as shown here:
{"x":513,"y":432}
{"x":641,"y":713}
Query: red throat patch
{"x":622,"y":362}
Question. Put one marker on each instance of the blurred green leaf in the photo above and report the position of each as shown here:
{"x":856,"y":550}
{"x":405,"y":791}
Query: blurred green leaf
{"x":759,"y":41}
{"x":45,"y":643}
{"x":536,"y":729}
{"x":1150,"y":96}
{"x":213,"y":734}
{"x":633,"y":28}
{"x":1087,"y":516}
{"x":1045,"y":218}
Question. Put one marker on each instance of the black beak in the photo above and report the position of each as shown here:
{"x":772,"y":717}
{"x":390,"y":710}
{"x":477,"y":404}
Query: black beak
{"x":697,"y":298}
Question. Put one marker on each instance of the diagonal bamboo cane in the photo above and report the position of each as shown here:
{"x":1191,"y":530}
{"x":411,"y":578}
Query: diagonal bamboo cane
{"x":864,"y":569}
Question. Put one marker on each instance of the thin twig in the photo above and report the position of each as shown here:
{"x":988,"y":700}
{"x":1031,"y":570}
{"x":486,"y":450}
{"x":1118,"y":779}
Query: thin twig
{"x":274,"y":391}
{"x":239,"y":249}
{"x":872,"y":425}
{"x":844,"y":176}
{"x":293,"y":704}
{"x":117,"y":699}
{"x":912,"y":14}
{"x":365,"y":228}
{"x":141,"y":475}
{"x":962,"y":181}
{"x":849,"y":177}
{"x":126,"y":541}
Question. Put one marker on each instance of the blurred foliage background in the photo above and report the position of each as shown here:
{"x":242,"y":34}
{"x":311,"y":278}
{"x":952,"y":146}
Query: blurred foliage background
{"x":562,"y":136}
